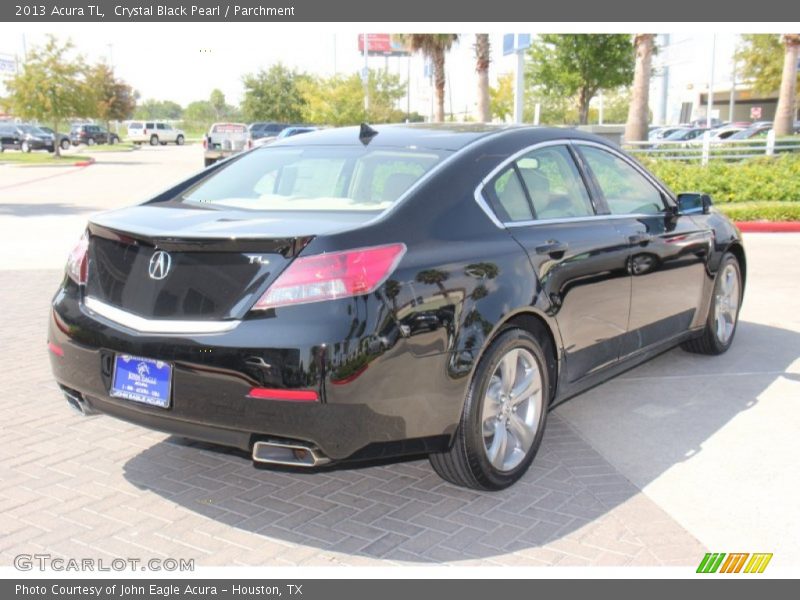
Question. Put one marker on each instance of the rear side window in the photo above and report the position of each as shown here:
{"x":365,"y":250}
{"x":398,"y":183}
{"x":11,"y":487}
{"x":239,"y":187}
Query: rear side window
{"x":315,"y":178}
{"x":135,"y":126}
{"x":508,"y":197}
{"x":624,"y":188}
{"x":554,"y":184}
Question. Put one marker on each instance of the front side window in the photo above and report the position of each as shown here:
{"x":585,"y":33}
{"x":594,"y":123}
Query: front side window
{"x":624,"y":188}
{"x":554,"y":184}
{"x":315,"y":178}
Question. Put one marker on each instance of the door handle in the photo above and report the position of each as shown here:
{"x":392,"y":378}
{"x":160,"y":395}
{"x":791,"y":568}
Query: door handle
{"x":639,"y":239}
{"x":554,"y":248}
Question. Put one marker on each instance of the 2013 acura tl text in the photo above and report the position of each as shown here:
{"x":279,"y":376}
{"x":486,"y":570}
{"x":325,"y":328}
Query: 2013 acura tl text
{"x":362,"y":293}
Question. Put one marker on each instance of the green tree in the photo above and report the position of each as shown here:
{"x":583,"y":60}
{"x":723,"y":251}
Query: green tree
{"x":112,"y":98}
{"x":217,"y":102}
{"x":580,"y":65}
{"x":199,"y":114}
{"x":274,"y":95}
{"x":760,"y":60}
{"x":435,"y":47}
{"x":385,"y":89}
{"x":339,"y":100}
{"x":501,"y":97}
{"x":159,"y":109}
{"x":50,"y":85}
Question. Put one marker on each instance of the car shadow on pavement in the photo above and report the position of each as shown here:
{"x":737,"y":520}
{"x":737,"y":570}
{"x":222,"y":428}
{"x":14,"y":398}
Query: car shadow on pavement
{"x":43,"y":209}
{"x":572,"y":499}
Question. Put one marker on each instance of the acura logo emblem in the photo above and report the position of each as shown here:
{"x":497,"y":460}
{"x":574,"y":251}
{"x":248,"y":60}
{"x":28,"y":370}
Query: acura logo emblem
{"x":160,"y":263}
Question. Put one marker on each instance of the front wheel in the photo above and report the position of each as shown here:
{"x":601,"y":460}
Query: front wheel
{"x":90,"y":142}
{"x":65,"y":144}
{"x":25,"y":147}
{"x":179,"y":140}
{"x":723,"y":316}
{"x":504,"y":415}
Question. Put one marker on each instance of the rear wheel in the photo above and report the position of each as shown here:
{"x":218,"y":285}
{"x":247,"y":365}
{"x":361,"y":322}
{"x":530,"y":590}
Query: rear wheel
{"x":154,"y":140}
{"x":209,"y":161}
{"x":723,"y":316}
{"x":504,"y":415}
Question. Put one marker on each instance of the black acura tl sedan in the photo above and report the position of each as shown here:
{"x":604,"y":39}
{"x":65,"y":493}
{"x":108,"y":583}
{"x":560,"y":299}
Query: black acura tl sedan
{"x":362,"y":293}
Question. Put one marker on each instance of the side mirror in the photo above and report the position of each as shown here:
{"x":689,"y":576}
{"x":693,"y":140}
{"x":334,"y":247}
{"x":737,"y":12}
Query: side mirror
{"x":693,"y":203}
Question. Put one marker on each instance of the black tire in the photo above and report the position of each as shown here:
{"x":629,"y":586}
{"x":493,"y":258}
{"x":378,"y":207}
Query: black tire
{"x":709,"y":341}
{"x":163,"y":143}
{"x":90,"y":142}
{"x":209,"y":161}
{"x":65,"y":144}
{"x":179,"y":140}
{"x":25,"y":147}
{"x":112,"y":140}
{"x":466,"y":463}
{"x":154,"y":140}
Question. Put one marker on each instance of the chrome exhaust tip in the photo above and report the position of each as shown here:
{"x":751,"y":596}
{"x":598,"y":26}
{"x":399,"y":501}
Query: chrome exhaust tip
{"x":76,"y":401}
{"x":290,"y":454}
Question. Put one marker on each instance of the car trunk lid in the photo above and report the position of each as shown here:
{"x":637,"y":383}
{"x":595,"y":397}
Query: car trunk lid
{"x":194,"y":263}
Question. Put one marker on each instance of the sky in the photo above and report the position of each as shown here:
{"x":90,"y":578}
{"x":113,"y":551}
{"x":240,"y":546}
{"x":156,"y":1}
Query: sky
{"x":183,"y":62}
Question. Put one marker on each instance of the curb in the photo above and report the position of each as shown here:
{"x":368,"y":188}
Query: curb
{"x":80,"y":163}
{"x":768,"y":226}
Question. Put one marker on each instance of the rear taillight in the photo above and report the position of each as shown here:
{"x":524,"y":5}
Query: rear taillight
{"x":78,"y":261}
{"x":205,"y":143}
{"x":250,"y":143}
{"x":332,"y":275}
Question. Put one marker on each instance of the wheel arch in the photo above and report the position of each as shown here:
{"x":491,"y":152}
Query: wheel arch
{"x":737,"y":250}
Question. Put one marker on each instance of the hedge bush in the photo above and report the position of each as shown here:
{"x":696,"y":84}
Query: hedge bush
{"x":761,"y":211}
{"x":773,"y":179}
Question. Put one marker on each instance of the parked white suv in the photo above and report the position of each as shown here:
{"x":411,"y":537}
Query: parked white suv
{"x":154,"y":133}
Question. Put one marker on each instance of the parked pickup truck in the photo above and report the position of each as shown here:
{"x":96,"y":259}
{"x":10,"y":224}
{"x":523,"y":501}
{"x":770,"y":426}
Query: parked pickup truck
{"x":224,"y":140}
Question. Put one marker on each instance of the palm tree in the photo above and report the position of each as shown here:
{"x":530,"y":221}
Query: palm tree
{"x":482,"y":59}
{"x":433,"y":46}
{"x":787,"y":108}
{"x":638,"y":111}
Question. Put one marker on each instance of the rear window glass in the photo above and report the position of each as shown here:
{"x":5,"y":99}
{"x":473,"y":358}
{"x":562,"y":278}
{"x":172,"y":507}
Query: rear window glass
{"x":315,"y":178}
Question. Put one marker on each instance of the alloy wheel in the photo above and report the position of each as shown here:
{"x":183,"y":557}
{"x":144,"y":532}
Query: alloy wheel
{"x":511,"y":409}
{"x":726,"y":303}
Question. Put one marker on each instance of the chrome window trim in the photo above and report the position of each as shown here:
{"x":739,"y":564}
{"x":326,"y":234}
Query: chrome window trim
{"x":480,"y":198}
{"x":155,"y":326}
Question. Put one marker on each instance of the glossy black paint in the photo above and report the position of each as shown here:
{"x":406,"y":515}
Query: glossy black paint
{"x":391,"y":368}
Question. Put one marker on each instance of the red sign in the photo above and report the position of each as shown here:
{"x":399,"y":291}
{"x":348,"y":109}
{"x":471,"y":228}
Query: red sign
{"x":382,"y":44}
{"x":755,"y":112}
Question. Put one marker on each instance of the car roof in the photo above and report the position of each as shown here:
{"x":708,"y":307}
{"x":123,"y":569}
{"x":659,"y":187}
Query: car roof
{"x":439,"y":136}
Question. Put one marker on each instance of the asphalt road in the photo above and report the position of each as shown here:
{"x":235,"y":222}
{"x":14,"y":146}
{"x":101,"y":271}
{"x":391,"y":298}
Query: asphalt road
{"x":682,"y":455}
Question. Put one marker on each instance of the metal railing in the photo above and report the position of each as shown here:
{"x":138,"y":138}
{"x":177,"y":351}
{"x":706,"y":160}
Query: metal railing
{"x":705,"y":149}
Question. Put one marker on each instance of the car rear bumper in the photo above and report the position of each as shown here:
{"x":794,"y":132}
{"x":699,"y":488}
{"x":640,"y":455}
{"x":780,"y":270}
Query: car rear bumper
{"x":371,"y":412}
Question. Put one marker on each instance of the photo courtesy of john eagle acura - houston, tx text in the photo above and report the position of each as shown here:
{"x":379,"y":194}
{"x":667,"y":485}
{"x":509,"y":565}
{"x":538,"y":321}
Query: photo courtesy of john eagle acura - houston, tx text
{"x":373,"y":292}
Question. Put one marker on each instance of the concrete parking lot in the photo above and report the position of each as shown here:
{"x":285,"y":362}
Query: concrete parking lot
{"x":680,"y":456}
